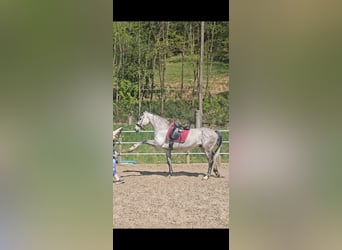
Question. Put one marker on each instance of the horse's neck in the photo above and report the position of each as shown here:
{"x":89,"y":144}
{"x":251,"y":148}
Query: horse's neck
{"x":158,"y":122}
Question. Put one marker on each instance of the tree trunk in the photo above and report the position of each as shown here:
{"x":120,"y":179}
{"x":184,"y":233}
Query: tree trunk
{"x":182,"y":77}
{"x":152,"y":80}
{"x":210,"y":57}
{"x":182,"y":71}
{"x":200,"y":98}
{"x":195,"y":71}
{"x":139,"y":72}
{"x":162,"y":64}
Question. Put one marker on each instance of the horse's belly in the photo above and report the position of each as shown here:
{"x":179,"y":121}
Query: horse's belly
{"x":187,"y":145}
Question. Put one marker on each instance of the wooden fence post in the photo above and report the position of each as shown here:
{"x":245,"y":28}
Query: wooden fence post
{"x":120,"y":147}
{"x":197,"y":119}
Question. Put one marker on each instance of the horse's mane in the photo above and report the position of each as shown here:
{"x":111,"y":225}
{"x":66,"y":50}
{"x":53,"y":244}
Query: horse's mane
{"x":159,"y":116}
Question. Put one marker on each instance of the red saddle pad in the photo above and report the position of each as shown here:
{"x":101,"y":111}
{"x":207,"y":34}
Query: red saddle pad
{"x":181,"y":138}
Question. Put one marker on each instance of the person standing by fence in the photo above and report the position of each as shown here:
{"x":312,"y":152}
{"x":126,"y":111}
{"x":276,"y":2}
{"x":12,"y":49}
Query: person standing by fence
{"x":116,"y":178}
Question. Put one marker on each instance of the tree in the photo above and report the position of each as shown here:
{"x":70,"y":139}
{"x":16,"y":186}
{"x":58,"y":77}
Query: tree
{"x":200,"y":98}
{"x":142,"y":52}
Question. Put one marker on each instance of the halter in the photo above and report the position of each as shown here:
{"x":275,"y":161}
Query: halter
{"x":139,"y":125}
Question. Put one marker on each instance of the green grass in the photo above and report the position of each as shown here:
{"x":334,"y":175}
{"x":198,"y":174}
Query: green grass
{"x":219,"y":73}
{"x":144,"y":159}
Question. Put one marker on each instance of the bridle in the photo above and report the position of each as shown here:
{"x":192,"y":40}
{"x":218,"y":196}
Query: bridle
{"x":139,"y":124}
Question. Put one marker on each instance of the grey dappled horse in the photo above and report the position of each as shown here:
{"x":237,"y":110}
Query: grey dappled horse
{"x":205,"y":138}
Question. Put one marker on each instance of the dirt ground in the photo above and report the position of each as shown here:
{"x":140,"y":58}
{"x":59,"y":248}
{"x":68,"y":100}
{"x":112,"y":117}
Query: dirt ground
{"x":150,"y":199}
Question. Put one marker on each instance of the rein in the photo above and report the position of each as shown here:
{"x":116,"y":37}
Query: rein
{"x":139,"y":126}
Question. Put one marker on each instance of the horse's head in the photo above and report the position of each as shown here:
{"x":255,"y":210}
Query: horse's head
{"x":142,"y":122}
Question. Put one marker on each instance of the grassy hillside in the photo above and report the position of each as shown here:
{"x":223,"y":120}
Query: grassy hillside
{"x":218,"y":77}
{"x":183,"y":104}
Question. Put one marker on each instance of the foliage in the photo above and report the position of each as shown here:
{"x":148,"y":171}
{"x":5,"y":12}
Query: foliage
{"x":128,"y":93}
{"x":162,"y":58}
{"x":216,"y":109}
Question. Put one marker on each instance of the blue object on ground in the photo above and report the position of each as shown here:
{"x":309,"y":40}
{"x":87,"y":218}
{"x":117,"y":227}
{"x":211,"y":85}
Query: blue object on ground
{"x":128,"y":161}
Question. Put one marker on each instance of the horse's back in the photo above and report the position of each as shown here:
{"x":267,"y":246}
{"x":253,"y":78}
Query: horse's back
{"x":207,"y":131}
{"x":207,"y":135}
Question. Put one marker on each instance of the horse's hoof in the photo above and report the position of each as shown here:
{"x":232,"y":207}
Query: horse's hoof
{"x":130,"y":149}
{"x":206,"y":177}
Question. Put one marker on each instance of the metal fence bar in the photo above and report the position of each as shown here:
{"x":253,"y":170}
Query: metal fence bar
{"x":195,"y":153}
{"x":152,"y":131}
{"x":120,"y":142}
{"x":132,"y":142}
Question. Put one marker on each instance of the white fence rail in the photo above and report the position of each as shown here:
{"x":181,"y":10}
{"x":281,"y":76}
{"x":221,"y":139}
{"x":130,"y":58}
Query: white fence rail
{"x":188,"y":153}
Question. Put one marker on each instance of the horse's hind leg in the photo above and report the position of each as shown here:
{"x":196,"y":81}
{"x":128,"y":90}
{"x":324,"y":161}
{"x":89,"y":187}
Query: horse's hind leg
{"x":168,"y":158}
{"x":215,"y":169}
{"x":210,"y":157}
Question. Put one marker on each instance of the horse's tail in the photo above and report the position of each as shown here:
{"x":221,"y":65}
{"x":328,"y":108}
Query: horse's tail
{"x":218,"y":149}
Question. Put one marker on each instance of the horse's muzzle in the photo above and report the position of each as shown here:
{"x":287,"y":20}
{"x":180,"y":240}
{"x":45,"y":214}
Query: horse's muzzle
{"x":138,"y":127}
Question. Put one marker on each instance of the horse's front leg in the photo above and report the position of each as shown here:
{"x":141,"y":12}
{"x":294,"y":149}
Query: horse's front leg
{"x":149,"y":142}
{"x":134,"y":146}
{"x":168,"y":158}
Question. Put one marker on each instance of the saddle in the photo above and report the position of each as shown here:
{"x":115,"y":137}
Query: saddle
{"x":178,"y":133}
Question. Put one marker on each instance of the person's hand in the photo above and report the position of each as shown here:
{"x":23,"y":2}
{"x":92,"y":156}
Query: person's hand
{"x":116,"y":132}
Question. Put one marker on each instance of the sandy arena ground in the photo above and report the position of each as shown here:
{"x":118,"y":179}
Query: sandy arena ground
{"x":150,"y":199}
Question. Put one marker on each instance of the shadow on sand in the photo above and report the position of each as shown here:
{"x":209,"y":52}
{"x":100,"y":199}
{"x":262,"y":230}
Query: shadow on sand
{"x":161,"y":173}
